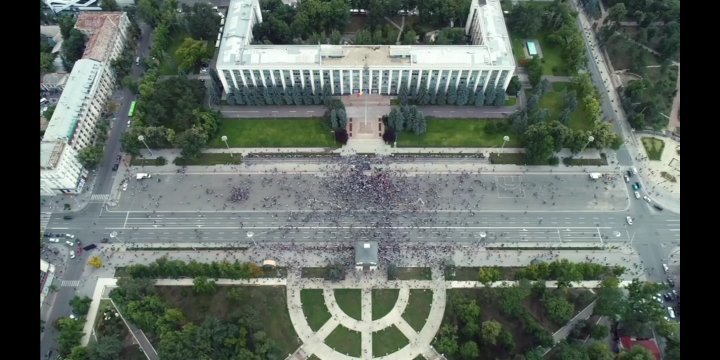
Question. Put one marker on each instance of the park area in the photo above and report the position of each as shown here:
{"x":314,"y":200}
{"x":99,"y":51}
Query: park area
{"x":554,"y":101}
{"x":264,"y":306}
{"x":653,"y":147}
{"x":274,"y":133}
{"x":457,"y":133}
{"x":418,"y":308}
{"x":313,"y":303}
{"x":551,"y":59}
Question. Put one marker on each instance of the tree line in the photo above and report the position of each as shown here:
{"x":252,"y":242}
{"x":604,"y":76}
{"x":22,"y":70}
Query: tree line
{"x":165,"y":268}
{"x":565,"y":271}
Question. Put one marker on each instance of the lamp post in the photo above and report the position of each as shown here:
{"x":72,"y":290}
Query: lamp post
{"x":224,"y":139}
{"x":333,"y":136}
{"x":505,"y":140}
{"x":250,"y":235}
{"x":365,"y":69}
{"x":590,"y":139}
{"x":142,"y":138}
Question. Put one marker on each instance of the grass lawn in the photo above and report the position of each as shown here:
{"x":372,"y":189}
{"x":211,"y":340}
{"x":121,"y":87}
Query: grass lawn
{"x":265,"y":306}
{"x":388,"y":340}
{"x":313,"y":357}
{"x":383,"y":300}
{"x":554,"y":101}
{"x":621,"y":57}
{"x":510,"y":101}
{"x":455,"y":133}
{"x":274,"y":132}
{"x":314,"y":272}
{"x":508,"y":158}
{"x":349,"y":302}
{"x":210,"y":159}
{"x":414,"y":273}
{"x":654,"y":147}
{"x":552,"y":62}
{"x":345,"y":341}
{"x":418,"y":308}
{"x":313,"y":303}
{"x":137,"y":161}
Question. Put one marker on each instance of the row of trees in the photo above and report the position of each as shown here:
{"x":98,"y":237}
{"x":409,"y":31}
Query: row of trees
{"x":566,"y":271}
{"x":276,"y":95}
{"x":165,"y":268}
{"x":659,"y":23}
{"x":460,"y":95}
{"x":285,"y":24}
{"x":178,"y":339}
{"x":407,"y":118}
{"x":647,"y":102}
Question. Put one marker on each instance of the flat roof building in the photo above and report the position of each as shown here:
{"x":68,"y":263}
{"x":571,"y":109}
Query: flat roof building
{"x":106,"y":32}
{"x":377,"y":69}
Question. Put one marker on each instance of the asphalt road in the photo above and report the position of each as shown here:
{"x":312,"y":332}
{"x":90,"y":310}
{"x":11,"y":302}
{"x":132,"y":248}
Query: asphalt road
{"x":104,"y":179}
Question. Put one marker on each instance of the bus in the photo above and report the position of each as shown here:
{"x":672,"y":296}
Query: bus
{"x":132,"y":109}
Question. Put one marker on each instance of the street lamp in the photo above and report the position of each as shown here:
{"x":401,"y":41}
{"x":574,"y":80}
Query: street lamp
{"x":333,"y":136}
{"x":250,"y":235}
{"x":142,"y":138}
{"x":505,"y":140}
{"x":224,"y":139}
{"x":590,"y":139}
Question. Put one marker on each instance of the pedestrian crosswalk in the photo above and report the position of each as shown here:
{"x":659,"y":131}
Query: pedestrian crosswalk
{"x":99,"y":197}
{"x":44,"y":220}
{"x":70,"y":283}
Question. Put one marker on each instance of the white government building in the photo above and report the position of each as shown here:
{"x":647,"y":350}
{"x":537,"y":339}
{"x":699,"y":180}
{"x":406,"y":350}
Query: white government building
{"x":377,"y":69}
{"x":85,"y":94}
{"x":82,"y":5}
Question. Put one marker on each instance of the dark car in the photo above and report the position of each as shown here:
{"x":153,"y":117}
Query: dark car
{"x":637,"y":184}
{"x":68,"y":217}
{"x":115,"y":167}
{"x":90,"y":247}
{"x":667,"y":297}
{"x":671,"y":282}
{"x":629,"y":173}
{"x":47,"y":234}
{"x":658,"y":207}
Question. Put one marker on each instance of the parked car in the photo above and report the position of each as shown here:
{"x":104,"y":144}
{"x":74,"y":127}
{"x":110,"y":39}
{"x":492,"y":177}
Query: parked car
{"x":69,"y":243}
{"x":671,"y":282}
{"x":627,"y":179}
{"x":658,"y":207}
{"x":90,"y":247}
{"x":629,"y":220}
{"x":665,"y":268}
{"x":105,"y":240}
{"x":72,"y":254}
{"x":54,"y":240}
{"x":70,"y":236}
{"x":115,"y":167}
{"x":637,"y":195}
{"x":667,"y":297}
{"x":629,"y":173}
{"x":637,"y":184}
{"x":68,"y":217}
{"x":646,"y":198}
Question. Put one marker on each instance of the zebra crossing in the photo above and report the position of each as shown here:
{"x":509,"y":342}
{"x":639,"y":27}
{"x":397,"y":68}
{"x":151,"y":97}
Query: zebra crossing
{"x":70,"y":283}
{"x":99,"y":197}
{"x":44,"y":220}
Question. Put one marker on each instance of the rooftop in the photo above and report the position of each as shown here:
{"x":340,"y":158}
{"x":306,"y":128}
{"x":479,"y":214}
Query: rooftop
{"x":81,"y":82}
{"x":50,"y":152}
{"x":650,"y":344}
{"x":235,"y":49}
{"x":104,"y":27}
{"x":55,"y":79}
{"x":366,"y":253}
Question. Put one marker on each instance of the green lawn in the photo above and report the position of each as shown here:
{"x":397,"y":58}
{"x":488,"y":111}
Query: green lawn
{"x":383,"y":300}
{"x":552,"y":62}
{"x":313,"y":303}
{"x":455,"y":133}
{"x":345,"y":341}
{"x":654,"y":147}
{"x":414,"y":273}
{"x":314,"y":272}
{"x":510,"y":101}
{"x":275,"y":132}
{"x":418,"y":308}
{"x":554,"y":101}
{"x":388,"y":340}
{"x":138,"y":161}
{"x":349,"y":302}
{"x":210,"y":159}
{"x":508,"y":158}
{"x":266,"y":305}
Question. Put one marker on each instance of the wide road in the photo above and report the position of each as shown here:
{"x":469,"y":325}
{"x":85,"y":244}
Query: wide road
{"x":72,"y":269}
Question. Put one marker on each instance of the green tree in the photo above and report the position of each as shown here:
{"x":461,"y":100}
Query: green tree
{"x":190,"y":52}
{"x":49,"y":112}
{"x":534,"y":70}
{"x":451,"y":95}
{"x":106,"y":348}
{"x":191,"y":142}
{"x":66,"y":24}
{"x":599,"y":351}
{"x":149,"y":11}
{"x":499,"y":98}
{"x":637,"y":353}
{"x":46,"y":63}
{"x":420,"y":123}
{"x":488,"y":275}
{"x":479,"y":97}
{"x":469,"y":351}
{"x":109,"y":5}
{"x":617,"y":12}
{"x":70,"y":333}
{"x":462,"y":95}
{"x":201,"y":285}
{"x":342,"y":119}
{"x":80,"y":305}
{"x":539,"y":144}
{"x":514,"y":86}
{"x":446,"y":340}
{"x":571,"y":352}
{"x":506,"y":340}
{"x":525,"y":19}
{"x":510,"y":299}
{"x":599,"y":332}
{"x":396,"y":120}
{"x":203,"y":22}
{"x":73,"y":48}
{"x":90,"y":156}
{"x":409,"y":38}
{"x":491,"y":329}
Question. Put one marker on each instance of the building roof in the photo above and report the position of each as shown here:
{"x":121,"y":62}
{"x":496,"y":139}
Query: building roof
{"x":104,"y":26}
{"x":55,"y":79}
{"x":50,"y":30}
{"x":650,"y":344}
{"x":50,"y":152}
{"x":81,"y":83}
{"x":235,"y":48}
{"x":366,"y":253}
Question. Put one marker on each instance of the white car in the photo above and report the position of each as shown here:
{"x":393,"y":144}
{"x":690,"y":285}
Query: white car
{"x":627,"y":179}
{"x":124,"y":187}
{"x":72,"y":254}
{"x":54,"y":240}
{"x":637,"y":195}
{"x":646,"y":198}
{"x":629,"y":220}
{"x":129,"y":121}
{"x":70,"y":236}
{"x":69,"y":243}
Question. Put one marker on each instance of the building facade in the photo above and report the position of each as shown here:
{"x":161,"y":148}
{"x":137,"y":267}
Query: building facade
{"x":82,"y":5}
{"x":80,"y":107}
{"x":379,"y":69}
